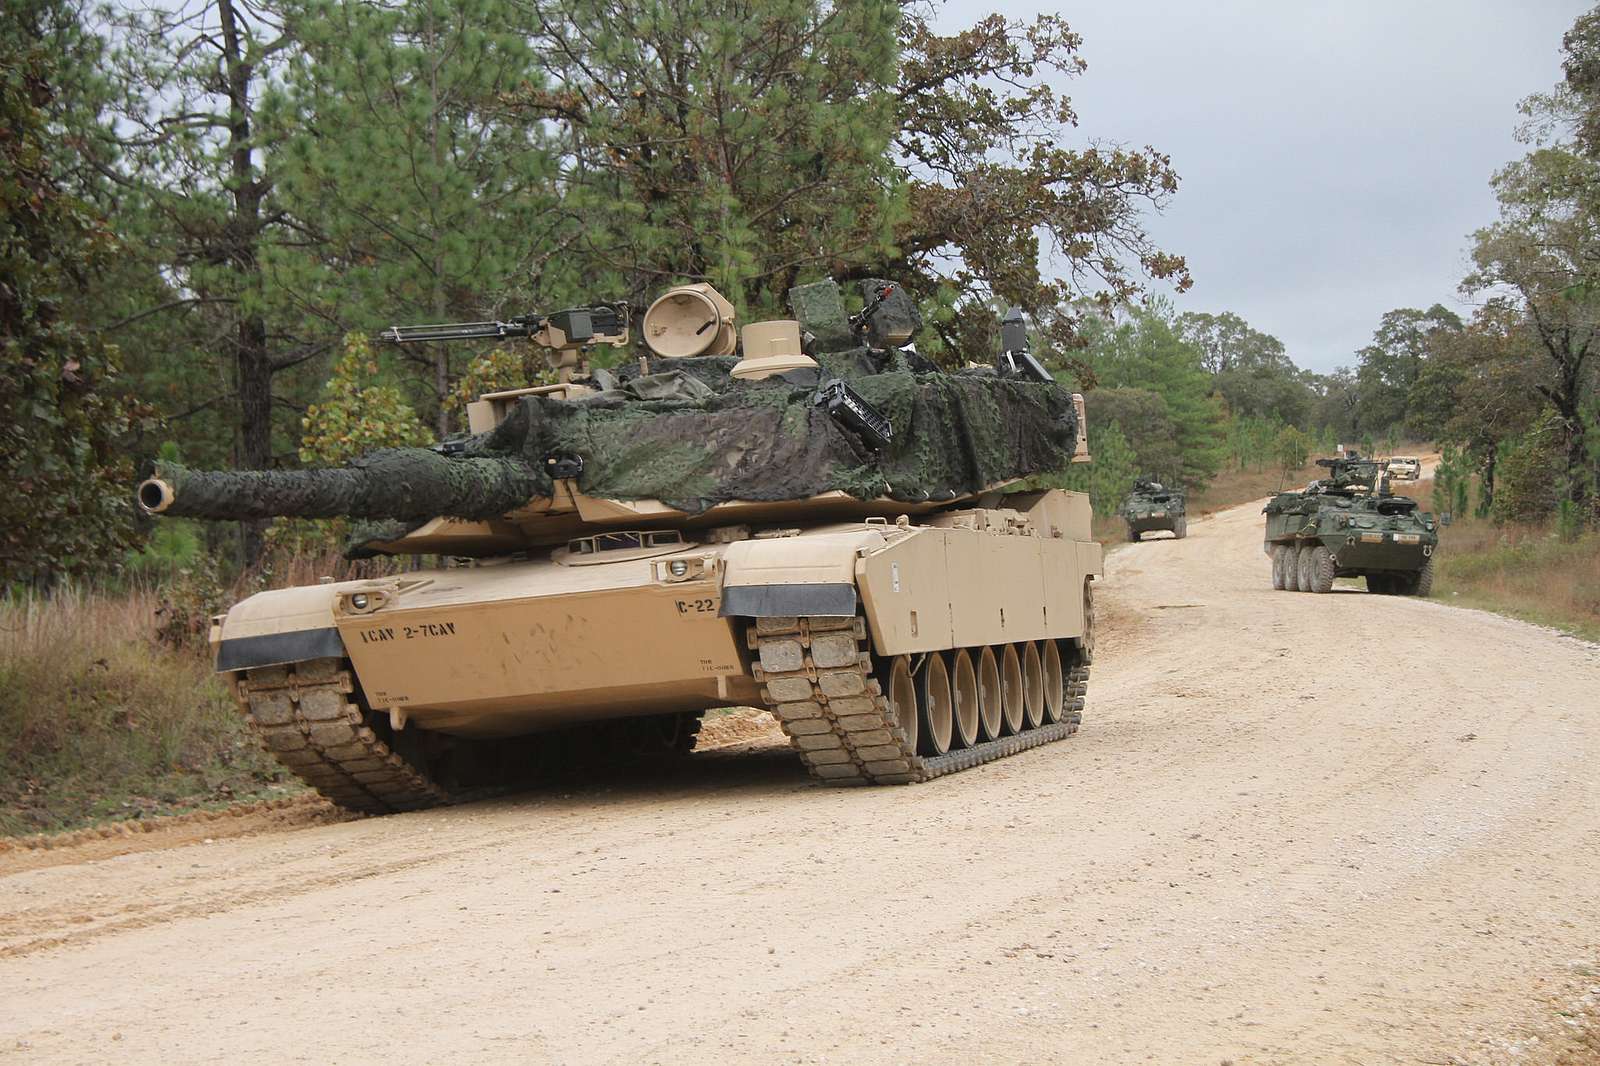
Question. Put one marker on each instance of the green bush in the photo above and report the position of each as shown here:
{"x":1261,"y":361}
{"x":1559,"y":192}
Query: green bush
{"x":1528,"y":479}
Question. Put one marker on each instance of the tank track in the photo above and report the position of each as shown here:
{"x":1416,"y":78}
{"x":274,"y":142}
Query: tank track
{"x":816,"y":678}
{"x":306,"y":716}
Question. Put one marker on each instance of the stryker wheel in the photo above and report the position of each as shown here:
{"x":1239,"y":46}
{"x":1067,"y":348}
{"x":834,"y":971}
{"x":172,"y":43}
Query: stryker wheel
{"x":1303,"y":568}
{"x":935,"y":703}
{"x":1011,"y":697}
{"x":1424,"y":580}
{"x":991,"y":710}
{"x":1279,"y":581}
{"x":964,"y":696}
{"x":1321,"y":568}
{"x":1291,"y":568}
{"x":1033,"y":684}
{"x":1054,"y":681}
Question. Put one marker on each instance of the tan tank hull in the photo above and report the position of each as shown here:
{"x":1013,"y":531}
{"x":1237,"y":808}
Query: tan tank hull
{"x":890,"y":648}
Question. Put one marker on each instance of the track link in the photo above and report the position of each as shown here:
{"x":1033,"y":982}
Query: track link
{"x":817,"y":680}
{"x":306,"y":717}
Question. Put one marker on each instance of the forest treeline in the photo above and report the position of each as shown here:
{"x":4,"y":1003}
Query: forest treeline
{"x":208,"y":205}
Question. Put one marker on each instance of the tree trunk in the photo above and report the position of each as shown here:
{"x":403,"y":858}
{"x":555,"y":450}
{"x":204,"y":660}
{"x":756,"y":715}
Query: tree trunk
{"x":1577,"y":462}
{"x":255,"y":421}
{"x":1486,"y":488}
{"x":244,"y":234}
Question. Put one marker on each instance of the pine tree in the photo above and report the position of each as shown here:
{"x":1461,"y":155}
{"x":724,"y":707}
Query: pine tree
{"x":718,"y":140}
{"x":428,"y":200}
{"x":1146,"y":352}
{"x":66,"y":508}
{"x":198,"y":180}
{"x":359,"y":412}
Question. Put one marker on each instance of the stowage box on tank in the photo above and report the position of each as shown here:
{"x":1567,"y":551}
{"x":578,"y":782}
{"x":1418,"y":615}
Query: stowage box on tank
{"x":1350,"y":525}
{"x":815,"y":528}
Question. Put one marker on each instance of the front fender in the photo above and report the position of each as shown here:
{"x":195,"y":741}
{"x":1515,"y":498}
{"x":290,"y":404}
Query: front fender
{"x":806,"y":574}
{"x":281,"y":626}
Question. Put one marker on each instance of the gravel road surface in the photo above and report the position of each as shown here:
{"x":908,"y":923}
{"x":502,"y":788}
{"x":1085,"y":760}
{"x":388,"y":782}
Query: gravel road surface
{"x":1294,"y":828}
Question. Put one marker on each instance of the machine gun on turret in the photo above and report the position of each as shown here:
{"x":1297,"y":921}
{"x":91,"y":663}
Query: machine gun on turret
{"x":1352,"y":473}
{"x":566,"y":334}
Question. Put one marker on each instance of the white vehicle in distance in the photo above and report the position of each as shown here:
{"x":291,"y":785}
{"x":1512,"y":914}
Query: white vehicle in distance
{"x":1405,"y":469}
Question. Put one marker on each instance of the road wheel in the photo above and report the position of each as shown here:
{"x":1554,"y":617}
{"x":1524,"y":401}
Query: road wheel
{"x":1055,"y":681}
{"x":1279,"y":580}
{"x":1424,"y":583}
{"x":1322,"y":569}
{"x":937,"y":705}
{"x":1291,"y":568}
{"x":991,"y":706}
{"x":964,"y":692}
{"x":1033,"y":684}
{"x":1011,"y":697}
{"x":894,"y":677}
{"x":1133,"y":538}
{"x":1181,"y":530}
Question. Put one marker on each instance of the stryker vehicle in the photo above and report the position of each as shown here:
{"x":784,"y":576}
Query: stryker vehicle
{"x":1350,"y":525}
{"x":816,"y":528}
{"x":1151,"y":507}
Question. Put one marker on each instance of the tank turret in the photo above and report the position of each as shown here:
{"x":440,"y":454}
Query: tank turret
{"x":678,"y":435}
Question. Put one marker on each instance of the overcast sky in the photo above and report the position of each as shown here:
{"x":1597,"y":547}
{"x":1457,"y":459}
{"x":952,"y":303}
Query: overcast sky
{"x":1334,"y":157}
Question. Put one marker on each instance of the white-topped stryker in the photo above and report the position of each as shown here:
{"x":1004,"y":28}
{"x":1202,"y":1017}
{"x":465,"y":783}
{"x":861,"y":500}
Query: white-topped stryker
{"x":893,"y":641}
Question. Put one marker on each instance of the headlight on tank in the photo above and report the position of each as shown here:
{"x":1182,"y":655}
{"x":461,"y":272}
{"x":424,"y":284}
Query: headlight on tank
{"x":675,"y":570}
{"x":364,"y":602}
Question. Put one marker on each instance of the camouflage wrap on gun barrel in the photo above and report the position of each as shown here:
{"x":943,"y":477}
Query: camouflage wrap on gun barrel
{"x":408,"y":484}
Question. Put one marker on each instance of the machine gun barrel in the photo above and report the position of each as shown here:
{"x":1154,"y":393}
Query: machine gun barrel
{"x":576,"y":327}
{"x":455,"y":331}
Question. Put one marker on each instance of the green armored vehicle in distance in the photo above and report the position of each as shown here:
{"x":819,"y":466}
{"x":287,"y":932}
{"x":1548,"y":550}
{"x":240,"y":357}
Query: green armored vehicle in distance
{"x":1152,"y":507}
{"x":1350,"y":525}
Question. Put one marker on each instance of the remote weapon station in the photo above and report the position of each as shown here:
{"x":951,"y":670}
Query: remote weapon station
{"x":804,"y":515}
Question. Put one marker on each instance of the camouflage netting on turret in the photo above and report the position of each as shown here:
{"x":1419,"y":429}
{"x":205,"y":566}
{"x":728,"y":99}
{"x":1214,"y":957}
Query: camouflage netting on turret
{"x":687,"y":433}
{"x":703,"y":439}
{"x":766,"y":440}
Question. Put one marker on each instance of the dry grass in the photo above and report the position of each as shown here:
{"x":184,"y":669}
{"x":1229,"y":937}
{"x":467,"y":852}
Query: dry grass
{"x":1234,"y":487}
{"x":99,"y":721}
{"x":1523,"y":571}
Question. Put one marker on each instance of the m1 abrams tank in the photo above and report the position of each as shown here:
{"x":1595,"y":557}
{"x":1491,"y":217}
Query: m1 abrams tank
{"x":815,"y":528}
{"x":1350,"y":525}
{"x":1152,"y":507}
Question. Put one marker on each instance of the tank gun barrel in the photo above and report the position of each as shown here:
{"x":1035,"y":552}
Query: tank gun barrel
{"x":394,"y":483}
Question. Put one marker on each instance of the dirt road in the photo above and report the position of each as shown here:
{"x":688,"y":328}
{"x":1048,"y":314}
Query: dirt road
{"x":1270,"y":843}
